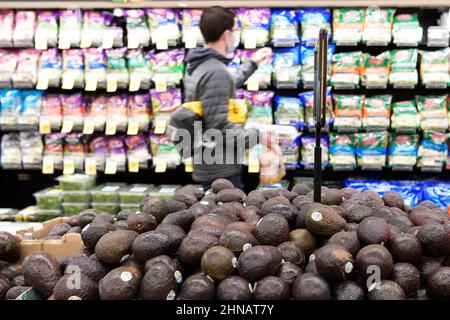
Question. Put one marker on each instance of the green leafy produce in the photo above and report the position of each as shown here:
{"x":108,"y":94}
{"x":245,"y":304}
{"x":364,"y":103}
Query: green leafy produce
{"x":70,"y":209}
{"x":135,"y":193}
{"x":76,"y":196}
{"x":49,"y":199}
{"x":76,"y":182}
{"x":111,"y":208}
{"x":106,"y":193}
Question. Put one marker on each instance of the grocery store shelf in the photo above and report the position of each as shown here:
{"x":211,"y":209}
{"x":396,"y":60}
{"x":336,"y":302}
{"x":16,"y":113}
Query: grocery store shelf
{"x":226,"y":3}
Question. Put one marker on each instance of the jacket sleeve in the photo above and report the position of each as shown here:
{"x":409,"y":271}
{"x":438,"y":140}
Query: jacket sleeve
{"x":244,"y":72}
{"x":215,"y":89}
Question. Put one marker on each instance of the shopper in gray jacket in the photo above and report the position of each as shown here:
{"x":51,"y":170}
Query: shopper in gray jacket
{"x":208,"y":81}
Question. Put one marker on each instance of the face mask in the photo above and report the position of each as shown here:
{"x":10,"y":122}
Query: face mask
{"x":233,"y":45}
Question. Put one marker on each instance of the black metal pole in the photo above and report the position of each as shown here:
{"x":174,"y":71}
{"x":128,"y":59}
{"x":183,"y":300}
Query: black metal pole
{"x":320,"y":96}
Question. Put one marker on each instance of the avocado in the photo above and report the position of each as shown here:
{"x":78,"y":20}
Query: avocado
{"x":197,"y":191}
{"x":352,"y":227}
{"x":241,"y":226}
{"x":93,"y":232}
{"x":290,"y":195}
{"x":258,"y":262}
{"x":198,"y":287}
{"x":14,"y":292}
{"x":209,"y":200}
{"x":192,"y":249}
{"x":41,"y":271}
{"x":358,"y":214}
{"x":334,"y":262}
{"x":348,"y":290}
{"x":234,"y":288}
{"x":388,"y":290}
{"x":74,"y":221}
{"x":374,"y":255}
{"x":230,"y":195}
{"x":311,"y":286}
{"x":87,"y":266}
{"x":272,"y":229}
{"x":225,"y":213}
{"x":407,"y":276}
{"x":9,"y":247}
{"x":427,"y":203}
{"x":221,"y":184}
{"x":374,"y":204}
{"x":304,"y":240}
{"x":210,"y":224}
{"x":188,"y":199}
{"x":289,"y":272}
{"x":164,"y":259}
{"x":59,"y":229}
{"x":218,"y":262}
{"x":435,"y":238}
{"x":183,"y":219}
{"x":288,"y":211}
{"x":439,"y":283}
{"x":301,"y":189}
{"x":373,"y":196}
{"x":382,"y":212}
{"x":340,"y":211}
{"x":360,"y":198}
{"x":332,"y":197}
{"x":323,"y":220}
{"x":159,"y":283}
{"x":4,"y":286}
{"x":18,"y":281}
{"x":121,"y":225}
{"x":405,"y":247}
{"x":74,"y":230}
{"x":373,"y":230}
{"x":255,"y":198}
{"x":299,"y":201}
{"x":199,"y":209}
{"x":253,"y":221}
{"x":300,"y":221}
{"x":401,"y":222}
{"x":235,"y":240}
{"x":113,"y":246}
{"x":348,"y":192}
{"x":82,"y":287}
{"x":349,"y":205}
{"x":424,"y":215}
{"x":121,"y":283}
{"x":133,"y":263}
{"x":347,"y":239}
{"x":11,"y":270}
{"x":156,"y":207}
{"x":427,"y":266}
{"x":291,"y":253}
{"x":249,"y":211}
{"x":87,"y":216}
{"x":175,"y":206}
{"x":271,"y":288}
{"x":175,"y":234}
{"x":141,"y":222}
{"x":123,"y":214}
{"x":150,"y":244}
{"x":311,"y":267}
{"x":393,"y":199}
{"x":270,"y":193}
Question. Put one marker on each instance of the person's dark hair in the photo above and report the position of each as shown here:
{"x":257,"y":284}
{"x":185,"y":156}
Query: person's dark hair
{"x":215,"y":21}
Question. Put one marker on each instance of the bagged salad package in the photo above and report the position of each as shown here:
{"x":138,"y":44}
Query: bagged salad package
{"x":24,"y":27}
{"x":435,"y":68}
{"x":113,"y":31}
{"x":342,"y":150}
{"x":70,"y":25}
{"x":307,"y":101}
{"x":371,"y":149}
{"x":25,"y":76}
{"x":138,"y":150}
{"x":308,"y":142}
{"x":75,"y":150}
{"x":407,"y":30}
{"x":348,"y":26}
{"x":51,"y":113}
{"x":377,"y":112}
{"x":96,"y":114}
{"x":11,"y":105}
{"x":190,"y":28}
{"x":378,"y":26}
{"x":375,"y":71}
{"x":46,"y":34}
{"x":163,"y":104}
{"x":432,"y":152}
{"x":93,"y":29}
{"x":32,"y":150}
{"x":50,"y":69}
{"x":98,"y":149}
{"x":95,"y":68}
{"x":138,"y":32}
{"x":255,"y":24}
{"x":289,"y":111}
{"x":54,"y":147}
{"x":259,"y":106}
{"x":11,"y":155}
{"x":286,"y":64}
{"x":403,"y":150}
{"x":289,"y":144}
{"x":438,"y":193}
{"x":117,"y":76}
{"x":262,"y":75}
{"x":284,"y":28}
{"x":311,"y":21}
{"x":348,"y":112}
{"x":168,"y":66}
{"x":139,"y":69}
{"x":164,"y":27}
{"x":31,"y":110}
{"x":346,"y":70}
{"x":405,"y":116}
{"x":403,"y":68}
{"x":117,"y":155}
{"x":73,"y":112}
{"x":139,"y":112}
{"x":6,"y":28}
{"x":8,"y":64}
{"x":164,"y":152}
{"x":73,"y":69}
{"x":307,"y":61}
{"x":117,"y":114}
{"x":433,"y":112}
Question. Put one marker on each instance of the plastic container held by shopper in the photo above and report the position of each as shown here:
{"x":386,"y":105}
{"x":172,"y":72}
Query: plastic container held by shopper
{"x":76,"y":182}
{"x":76,"y":196}
{"x":70,"y":209}
{"x":106,"y":193}
{"x":135,"y":193}
{"x":49,"y":199}
{"x":112,"y":208}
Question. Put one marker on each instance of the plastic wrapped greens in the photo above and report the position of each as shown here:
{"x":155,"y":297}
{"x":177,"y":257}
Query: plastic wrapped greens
{"x":284,"y":28}
{"x":403,"y":150}
{"x":432,"y":112}
{"x":32,"y":150}
{"x":73,"y":69}
{"x":73,"y":111}
{"x":31,"y":110}
{"x":49,"y":199}
{"x":46,"y":34}
{"x":377,"y":112}
{"x":117,"y":114}
{"x":117,"y":76}
{"x":51,"y":113}
{"x":8,"y":64}
{"x":342,"y":151}
{"x":346,"y":70}
{"x":11,"y":153}
{"x":163,"y":104}
{"x":190,"y":23}
{"x":138,"y":112}
{"x":289,"y":111}
{"x":138,"y":150}
{"x":307,"y":60}
{"x":375,"y":72}
{"x":139,"y":69}
{"x":407,"y":30}
{"x":96,"y":115}
{"x":371,"y":149}
{"x":432,"y":151}
{"x":54,"y":148}
{"x":167,"y":66}
{"x":348,"y":112}
{"x":137,"y":29}
{"x":70,"y":23}
{"x":347,"y":26}
{"x":255,"y":25}
{"x":260,"y":106}
{"x":75,"y":150}
{"x":434,"y":68}
{"x":24,"y":28}
{"x":6,"y":27}
{"x":286,"y":64}
{"x":378,"y":25}
{"x":307,"y":100}
{"x":25,"y":76}
{"x":405,"y":116}
{"x":95,"y":68}
{"x":403,"y":68}
{"x":93,"y":29}
{"x":10,"y":106}
{"x":307,"y":142}
{"x":262,"y":76}
{"x":50,"y":69}
{"x":164,"y":27}
{"x":164,"y":152}
{"x":311,"y":21}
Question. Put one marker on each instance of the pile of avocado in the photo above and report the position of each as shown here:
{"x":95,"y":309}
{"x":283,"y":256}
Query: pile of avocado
{"x":273,"y":244}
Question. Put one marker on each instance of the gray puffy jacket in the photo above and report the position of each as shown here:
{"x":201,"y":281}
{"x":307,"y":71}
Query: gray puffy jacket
{"x":208,"y":80}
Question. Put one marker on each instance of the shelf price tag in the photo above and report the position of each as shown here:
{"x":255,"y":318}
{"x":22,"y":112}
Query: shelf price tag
{"x":111,"y":128}
{"x":68,"y":166}
{"x":67,"y":126}
{"x":250,"y":40}
{"x":111,"y":83}
{"x":48,"y":164}
{"x":160,"y":83}
{"x":45,"y":126}
{"x":64,"y":40}
{"x":135,"y":82}
{"x":253,"y":83}
{"x":40,"y":41}
{"x":133,"y":127}
{"x":110,"y":167}
{"x":108,"y":39}
{"x":43,"y":80}
{"x":253,"y":165}
{"x":160,"y":126}
{"x":91,"y":82}
{"x":189,"y":165}
{"x":190,"y":41}
{"x":133,"y":165}
{"x":88,"y":127}
{"x":86,"y":39}
{"x":160,"y":164}
{"x":90,"y":166}
{"x":162,"y":43}
{"x":68,"y":81}
{"x":133,"y":40}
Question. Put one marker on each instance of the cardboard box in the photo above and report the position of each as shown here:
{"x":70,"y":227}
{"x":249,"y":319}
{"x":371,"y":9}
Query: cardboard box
{"x":66,"y":246}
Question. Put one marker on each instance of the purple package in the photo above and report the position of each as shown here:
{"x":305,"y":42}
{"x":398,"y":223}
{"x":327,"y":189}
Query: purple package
{"x":190,"y":18}
{"x":116,"y":145}
{"x":254,"y":18}
{"x":73,"y":104}
{"x":117,"y":106}
{"x":94,"y":58}
{"x":165,"y":101}
{"x":139,"y":104}
{"x":98,"y":105}
{"x":99,"y":146}
{"x":73,"y":59}
{"x":239,"y":94}
{"x":94,"y":19}
{"x":136,"y":143}
{"x":259,"y":98}
{"x":70,"y":19}
{"x":170,"y":61}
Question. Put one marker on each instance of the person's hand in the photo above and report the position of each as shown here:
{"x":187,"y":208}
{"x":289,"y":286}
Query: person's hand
{"x":270,"y":139}
{"x":262,"y":55}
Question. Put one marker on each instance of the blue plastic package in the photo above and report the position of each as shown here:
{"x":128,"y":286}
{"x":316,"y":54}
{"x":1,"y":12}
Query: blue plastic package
{"x":311,"y":21}
{"x":438,"y":193}
{"x":32,"y":102}
{"x":288,"y":111}
{"x":286,"y":57}
{"x":284,"y":27}
{"x":11,"y":101}
{"x":307,"y":61}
